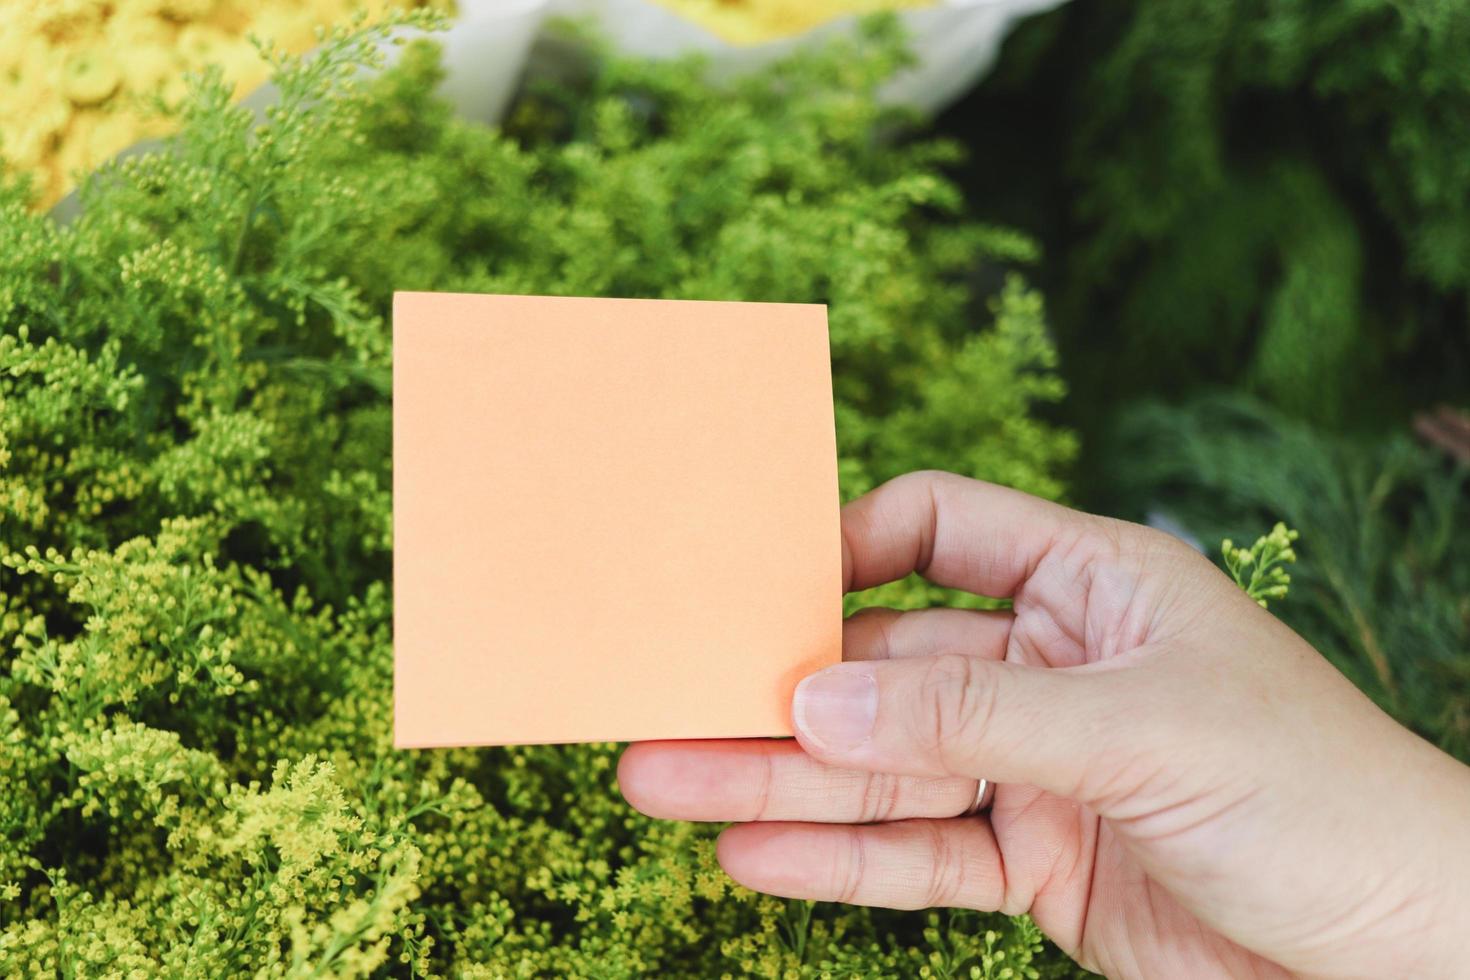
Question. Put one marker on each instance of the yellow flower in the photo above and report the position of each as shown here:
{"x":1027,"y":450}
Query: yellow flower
{"x":128,"y":27}
{"x":24,"y":58}
{"x":60,"y":57}
{"x":146,"y":67}
{"x":89,"y":75}
{"x":755,"y":21}
{"x":66,"y":20}
{"x":24,"y":147}
{"x":233,"y":17}
{"x":286,"y":27}
{"x":72,"y":150}
{"x":198,"y":43}
{"x":110,"y":135}
{"x":242,"y":65}
{"x":185,"y":9}
{"x":31,"y":113}
{"x":330,"y":11}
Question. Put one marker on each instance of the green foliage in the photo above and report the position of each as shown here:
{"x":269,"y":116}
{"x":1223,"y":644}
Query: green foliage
{"x":1266,"y":197}
{"x":1383,"y":590}
{"x":1257,"y":569}
{"x":196,"y":766}
{"x":1264,"y":194}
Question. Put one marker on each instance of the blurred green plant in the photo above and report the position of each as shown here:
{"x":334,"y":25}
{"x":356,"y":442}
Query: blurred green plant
{"x":1385,"y":590}
{"x":196,"y":767}
{"x":1261,"y":194}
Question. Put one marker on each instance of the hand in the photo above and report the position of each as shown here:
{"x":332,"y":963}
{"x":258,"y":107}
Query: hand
{"x":1186,"y":788}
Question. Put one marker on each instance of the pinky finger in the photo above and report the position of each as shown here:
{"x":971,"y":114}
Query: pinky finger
{"x":907,"y":864}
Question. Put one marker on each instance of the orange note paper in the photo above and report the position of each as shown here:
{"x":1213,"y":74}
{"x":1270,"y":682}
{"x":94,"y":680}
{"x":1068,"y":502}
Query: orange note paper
{"x":613,"y":519}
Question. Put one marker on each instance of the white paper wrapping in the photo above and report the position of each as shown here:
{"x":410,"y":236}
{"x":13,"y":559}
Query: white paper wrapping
{"x":955,"y":41}
{"x":488,"y":47}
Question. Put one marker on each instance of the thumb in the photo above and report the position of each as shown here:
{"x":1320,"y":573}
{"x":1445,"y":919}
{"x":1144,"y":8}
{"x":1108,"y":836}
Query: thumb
{"x":1064,"y":730}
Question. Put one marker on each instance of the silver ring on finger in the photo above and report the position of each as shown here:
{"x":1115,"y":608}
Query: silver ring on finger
{"x":984,"y":796}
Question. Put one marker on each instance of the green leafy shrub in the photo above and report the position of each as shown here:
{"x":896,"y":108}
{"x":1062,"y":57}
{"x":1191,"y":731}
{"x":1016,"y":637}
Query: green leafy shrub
{"x":196,"y":771}
{"x":1266,"y":195}
{"x":1382,"y":586}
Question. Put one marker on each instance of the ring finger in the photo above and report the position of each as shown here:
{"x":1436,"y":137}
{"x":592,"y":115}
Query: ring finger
{"x":763,"y":779}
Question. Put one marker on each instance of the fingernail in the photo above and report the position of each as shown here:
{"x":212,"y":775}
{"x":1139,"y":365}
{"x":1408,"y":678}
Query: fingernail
{"x":836,"y":708}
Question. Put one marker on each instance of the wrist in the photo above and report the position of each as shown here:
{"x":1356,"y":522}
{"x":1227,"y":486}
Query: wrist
{"x":1426,"y":933}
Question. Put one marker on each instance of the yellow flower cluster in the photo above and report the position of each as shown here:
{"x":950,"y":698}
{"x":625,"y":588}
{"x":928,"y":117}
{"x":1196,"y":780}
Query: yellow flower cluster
{"x":77,"y":76}
{"x":755,"y":21}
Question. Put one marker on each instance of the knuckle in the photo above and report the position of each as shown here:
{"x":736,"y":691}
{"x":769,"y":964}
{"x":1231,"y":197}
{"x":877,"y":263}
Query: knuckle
{"x":955,"y":708}
{"x":1106,"y":536}
{"x":850,"y":873}
{"x":763,"y":794}
{"x":929,"y":477}
{"x":945,"y":871}
{"x":879,"y":798}
{"x":1152,"y":544}
{"x":868,"y":633}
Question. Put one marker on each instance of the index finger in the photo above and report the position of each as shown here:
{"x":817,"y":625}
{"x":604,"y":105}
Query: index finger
{"x":956,"y":532}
